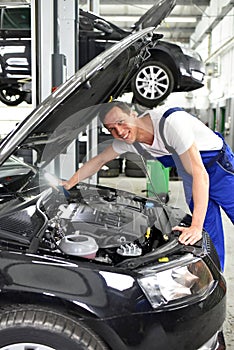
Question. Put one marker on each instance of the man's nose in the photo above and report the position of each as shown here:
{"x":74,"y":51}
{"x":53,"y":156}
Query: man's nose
{"x":119,"y":129}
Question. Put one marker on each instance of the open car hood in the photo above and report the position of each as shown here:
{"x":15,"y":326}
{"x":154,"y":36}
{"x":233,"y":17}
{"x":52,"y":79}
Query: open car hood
{"x":151,"y":18}
{"x":155,"y":15}
{"x":100,"y":80}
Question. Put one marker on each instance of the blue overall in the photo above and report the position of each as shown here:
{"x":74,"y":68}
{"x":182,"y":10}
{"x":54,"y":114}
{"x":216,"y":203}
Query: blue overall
{"x":220,"y":168}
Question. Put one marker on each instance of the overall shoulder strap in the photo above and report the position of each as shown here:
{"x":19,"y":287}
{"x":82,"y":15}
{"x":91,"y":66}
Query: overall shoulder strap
{"x":143,"y":152}
{"x":161,"y":126}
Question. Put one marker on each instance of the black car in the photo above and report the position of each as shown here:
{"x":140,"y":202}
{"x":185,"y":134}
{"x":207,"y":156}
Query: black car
{"x":97,"y":267}
{"x":168,"y":67}
{"x":15,"y":55}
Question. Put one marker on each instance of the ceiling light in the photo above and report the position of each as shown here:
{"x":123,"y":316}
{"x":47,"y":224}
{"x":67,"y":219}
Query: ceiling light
{"x":179,"y":19}
{"x":122,"y":18}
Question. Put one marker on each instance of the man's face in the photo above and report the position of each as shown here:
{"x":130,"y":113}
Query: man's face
{"x":121,"y":125}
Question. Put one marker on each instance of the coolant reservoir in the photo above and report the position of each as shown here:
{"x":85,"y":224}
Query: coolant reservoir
{"x":79,"y":245}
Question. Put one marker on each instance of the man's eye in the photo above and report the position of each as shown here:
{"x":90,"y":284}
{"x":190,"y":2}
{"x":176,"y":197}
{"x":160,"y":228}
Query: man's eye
{"x":120,"y":122}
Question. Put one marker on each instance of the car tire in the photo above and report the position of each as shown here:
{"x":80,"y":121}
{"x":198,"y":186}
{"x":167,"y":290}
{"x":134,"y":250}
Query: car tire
{"x":38,"y":328}
{"x":134,"y":173}
{"x":133,"y":165}
{"x":152,"y":83}
{"x":108,"y":173}
{"x":113,"y":169}
{"x":11,"y":96}
{"x":133,"y":157}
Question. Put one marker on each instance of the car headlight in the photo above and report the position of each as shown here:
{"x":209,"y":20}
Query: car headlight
{"x":189,"y":279}
{"x":197,"y":75}
{"x":190,"y":52}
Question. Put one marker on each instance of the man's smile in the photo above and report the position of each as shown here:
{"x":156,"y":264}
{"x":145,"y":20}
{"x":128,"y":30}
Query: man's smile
{"x":124,"y":136}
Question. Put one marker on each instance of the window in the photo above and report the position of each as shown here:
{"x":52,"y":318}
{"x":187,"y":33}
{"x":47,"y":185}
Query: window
{"x":16,"y":18}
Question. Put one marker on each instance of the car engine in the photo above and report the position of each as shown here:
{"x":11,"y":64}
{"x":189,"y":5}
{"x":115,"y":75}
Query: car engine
{"x":98,"y":223}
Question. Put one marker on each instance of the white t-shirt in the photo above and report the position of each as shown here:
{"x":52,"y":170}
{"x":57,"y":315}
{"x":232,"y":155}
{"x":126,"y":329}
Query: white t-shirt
{"x":181,"y":130}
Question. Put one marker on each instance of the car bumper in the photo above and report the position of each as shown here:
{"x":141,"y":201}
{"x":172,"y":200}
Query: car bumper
{"x":188,"y":328}
{"x":211,"y":344}
{"x":192,"y":75}
{"x":189,"y":84}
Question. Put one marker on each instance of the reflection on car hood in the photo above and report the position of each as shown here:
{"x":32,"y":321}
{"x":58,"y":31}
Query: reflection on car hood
{"x":155,"y":15}
{"x":101,"y":79}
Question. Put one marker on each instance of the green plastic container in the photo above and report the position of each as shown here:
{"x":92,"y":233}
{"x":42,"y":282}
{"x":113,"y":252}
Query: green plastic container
{"x":160,"y":180}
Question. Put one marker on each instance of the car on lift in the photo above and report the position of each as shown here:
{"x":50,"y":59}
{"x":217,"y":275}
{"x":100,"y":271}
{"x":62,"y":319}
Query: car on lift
{"x":97,"y":267}
{"x":169,"y":67}
{"x":15,"y":55}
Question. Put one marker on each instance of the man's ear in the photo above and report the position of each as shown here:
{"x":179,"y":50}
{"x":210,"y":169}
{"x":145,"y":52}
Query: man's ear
{"x":133,"y":114}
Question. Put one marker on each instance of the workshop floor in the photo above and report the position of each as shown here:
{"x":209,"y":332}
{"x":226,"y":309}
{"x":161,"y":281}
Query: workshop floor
{"x":176,"y":195}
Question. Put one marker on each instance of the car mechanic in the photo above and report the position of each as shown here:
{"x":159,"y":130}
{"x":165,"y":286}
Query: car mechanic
{"x":176,"y":138}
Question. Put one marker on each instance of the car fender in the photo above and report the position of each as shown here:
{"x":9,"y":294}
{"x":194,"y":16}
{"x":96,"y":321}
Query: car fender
{"x":76,"y":283}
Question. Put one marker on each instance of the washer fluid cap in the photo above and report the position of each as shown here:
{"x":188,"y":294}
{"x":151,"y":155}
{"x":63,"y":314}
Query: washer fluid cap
{"x":79,"y":245}
{"x":149,"y":204}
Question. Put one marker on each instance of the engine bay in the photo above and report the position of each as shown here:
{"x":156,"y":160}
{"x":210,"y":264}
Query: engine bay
{"x":98,"y":223}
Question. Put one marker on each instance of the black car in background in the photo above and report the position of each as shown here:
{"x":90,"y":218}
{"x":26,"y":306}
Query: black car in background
{"x":167,"y":68}
{"x":15,"y":55}
{"x":97,"y":267}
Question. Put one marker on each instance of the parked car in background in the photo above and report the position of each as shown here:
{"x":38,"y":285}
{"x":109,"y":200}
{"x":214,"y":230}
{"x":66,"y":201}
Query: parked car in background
{"x":168,"y":67}
{"x":77,"y":267}
{"x":15,"y":55}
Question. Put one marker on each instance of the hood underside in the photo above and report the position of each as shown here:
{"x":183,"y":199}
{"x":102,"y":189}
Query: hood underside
{"x":155,"y":15}
{"x":102,"y":79}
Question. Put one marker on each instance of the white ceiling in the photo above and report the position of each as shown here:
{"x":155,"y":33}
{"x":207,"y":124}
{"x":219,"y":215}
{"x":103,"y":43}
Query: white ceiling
{"x":116,"y":10}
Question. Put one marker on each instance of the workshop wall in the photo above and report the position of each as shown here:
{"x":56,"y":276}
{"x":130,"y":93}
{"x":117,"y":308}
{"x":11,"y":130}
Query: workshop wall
{"x":215,"y":33}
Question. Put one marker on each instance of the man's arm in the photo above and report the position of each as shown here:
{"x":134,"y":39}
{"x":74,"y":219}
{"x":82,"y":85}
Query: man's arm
{"x":193,"y":164}
{"x":91,"y":167}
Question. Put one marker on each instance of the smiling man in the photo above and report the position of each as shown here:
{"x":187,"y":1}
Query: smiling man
{"x":174,"y":137}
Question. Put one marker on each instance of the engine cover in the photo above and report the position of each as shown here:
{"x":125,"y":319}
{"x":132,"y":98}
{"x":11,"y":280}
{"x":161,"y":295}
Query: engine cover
{"x":110,"y":225}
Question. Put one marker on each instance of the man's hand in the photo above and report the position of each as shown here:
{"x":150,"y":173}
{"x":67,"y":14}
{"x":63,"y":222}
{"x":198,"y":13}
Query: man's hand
{"x":189,"y":235}
{"x":66,"y":185}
